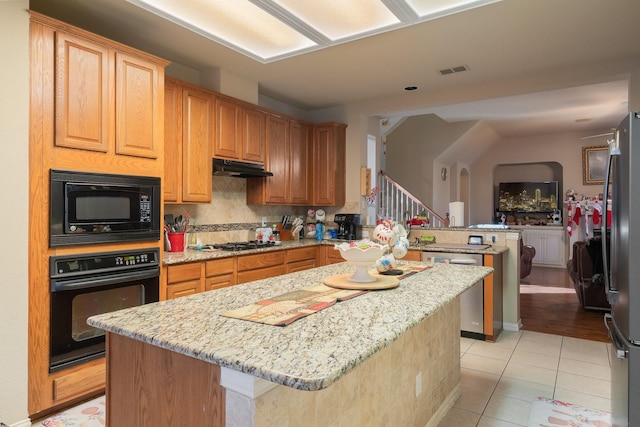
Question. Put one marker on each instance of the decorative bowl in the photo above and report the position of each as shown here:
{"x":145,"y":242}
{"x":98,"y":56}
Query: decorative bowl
{"x":362,"y":255}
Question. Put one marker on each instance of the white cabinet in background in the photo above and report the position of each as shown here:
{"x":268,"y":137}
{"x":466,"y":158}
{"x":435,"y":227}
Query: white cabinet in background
{"x":549,"y":244}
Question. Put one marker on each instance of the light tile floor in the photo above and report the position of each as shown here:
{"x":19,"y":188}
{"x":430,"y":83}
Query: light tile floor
{"x":500,"y":380}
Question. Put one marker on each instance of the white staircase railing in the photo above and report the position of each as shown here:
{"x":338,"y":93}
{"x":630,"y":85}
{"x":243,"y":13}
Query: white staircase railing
{"x":394,"y":202}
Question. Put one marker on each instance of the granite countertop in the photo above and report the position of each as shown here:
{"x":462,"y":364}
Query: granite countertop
{"x":463,"y":248}
{"x":311,"y":353}
{"x":191,"y":255}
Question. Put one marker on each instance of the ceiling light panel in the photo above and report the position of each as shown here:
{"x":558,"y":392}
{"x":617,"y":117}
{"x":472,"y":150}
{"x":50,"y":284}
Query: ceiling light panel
{"x":434,"y":8}
{"x":238,"y":24}
{"x":271,"y":30}
{"x":340,"y":19}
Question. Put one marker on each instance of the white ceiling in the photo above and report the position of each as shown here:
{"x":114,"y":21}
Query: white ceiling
{"x":535,"y":66}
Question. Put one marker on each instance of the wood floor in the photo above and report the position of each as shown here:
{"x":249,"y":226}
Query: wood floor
{"x":549,"y":304}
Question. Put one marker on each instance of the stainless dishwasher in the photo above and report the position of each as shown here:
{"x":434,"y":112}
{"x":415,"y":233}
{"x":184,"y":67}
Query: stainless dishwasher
{"x":471,"y":300}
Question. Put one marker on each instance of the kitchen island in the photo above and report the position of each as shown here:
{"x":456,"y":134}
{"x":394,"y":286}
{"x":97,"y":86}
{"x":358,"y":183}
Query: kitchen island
{"x":385,"y":357}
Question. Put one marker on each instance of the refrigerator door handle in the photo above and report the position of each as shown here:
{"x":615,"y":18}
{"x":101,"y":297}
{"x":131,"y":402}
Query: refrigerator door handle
{"x":614,"y":150}
{"x":616,"y":341}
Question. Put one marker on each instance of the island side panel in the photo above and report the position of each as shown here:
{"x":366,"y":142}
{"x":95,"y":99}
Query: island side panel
{"x":151,"y":386}
{"x":382,"y":390}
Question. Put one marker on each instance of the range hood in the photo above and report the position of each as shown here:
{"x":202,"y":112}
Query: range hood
{"x":223,"y":167}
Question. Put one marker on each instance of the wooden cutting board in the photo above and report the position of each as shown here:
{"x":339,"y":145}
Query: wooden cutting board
{"x":341,"y":281}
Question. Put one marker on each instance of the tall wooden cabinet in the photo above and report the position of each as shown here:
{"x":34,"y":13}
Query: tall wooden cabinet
{"x":172,"y":183}
{"x":277,"y":187}
{"x":329,"y":164}
{"x":189,"y":127}
{"x":95,"y":106}
{"x":253,"y":136}
{"x":300,"y":163}
{"x":197,"y":132}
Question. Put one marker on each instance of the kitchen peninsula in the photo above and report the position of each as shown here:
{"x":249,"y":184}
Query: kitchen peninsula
{"x":385,"y":357}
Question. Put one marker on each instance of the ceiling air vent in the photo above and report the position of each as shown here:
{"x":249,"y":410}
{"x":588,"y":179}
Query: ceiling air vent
{"x":458,"y":69}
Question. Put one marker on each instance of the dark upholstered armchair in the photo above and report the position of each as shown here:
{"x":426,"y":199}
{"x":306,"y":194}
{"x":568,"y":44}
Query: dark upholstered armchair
{"x":585,"y":269}
{"x":526,"y":259}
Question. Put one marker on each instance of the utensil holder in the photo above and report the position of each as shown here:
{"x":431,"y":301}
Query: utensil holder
{"x":177,"y":242}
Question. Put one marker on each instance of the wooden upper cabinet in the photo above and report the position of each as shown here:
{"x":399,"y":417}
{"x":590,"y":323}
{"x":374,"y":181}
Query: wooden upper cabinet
{"x":197,"y":135}
{"x":82,"y":94}
{"x":188,"y":135}
{"x":329,"y":164}
{"x":253,"y":135}
{"x":106,"y":100}
{"x":228,"y":137}
{"x":277,"y":187}
{"x":138,"y":110}
{"x":240,"y":131}
{"x":288,"y":157}
{"x":172,"y":183}
{"x":300,"y":163}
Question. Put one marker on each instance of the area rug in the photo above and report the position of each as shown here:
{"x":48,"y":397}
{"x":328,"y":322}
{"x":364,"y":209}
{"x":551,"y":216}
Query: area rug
{"x":88,"y":414}
{"x":551,"y":413}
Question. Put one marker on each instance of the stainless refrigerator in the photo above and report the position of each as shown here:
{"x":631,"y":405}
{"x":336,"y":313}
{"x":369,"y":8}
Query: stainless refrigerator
{"x":621,"y":246}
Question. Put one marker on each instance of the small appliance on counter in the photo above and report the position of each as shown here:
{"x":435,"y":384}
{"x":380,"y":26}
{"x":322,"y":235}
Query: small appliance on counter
{"x":348,"y":226}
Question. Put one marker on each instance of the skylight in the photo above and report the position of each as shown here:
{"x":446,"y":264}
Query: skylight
{"x":270,"y":30}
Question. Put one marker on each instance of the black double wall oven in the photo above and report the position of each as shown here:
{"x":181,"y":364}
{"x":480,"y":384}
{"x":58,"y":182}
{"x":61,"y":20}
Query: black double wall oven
{"x":88,"y":210}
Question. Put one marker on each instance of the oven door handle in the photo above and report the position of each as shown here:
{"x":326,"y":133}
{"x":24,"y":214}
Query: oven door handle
{"x":58,"y":285}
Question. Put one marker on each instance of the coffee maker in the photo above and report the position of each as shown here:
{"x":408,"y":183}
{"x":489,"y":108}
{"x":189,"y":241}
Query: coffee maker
{"x":348,"y":226}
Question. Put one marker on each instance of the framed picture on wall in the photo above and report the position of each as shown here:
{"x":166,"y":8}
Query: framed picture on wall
{"x":594,"y":162}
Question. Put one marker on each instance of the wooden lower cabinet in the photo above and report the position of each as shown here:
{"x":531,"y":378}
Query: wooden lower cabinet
{"x":261,"y":266}
{"x":184,"y":279}
{"x":219,"y":273}
{"x":413,"y":255}
{"x":330,"y":255}
{"x":194,"y":277}
{"x":300,"y":259}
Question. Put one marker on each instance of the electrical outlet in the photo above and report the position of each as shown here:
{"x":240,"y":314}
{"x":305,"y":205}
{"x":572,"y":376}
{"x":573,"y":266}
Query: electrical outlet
{"x":418,"y":384}
{"x":264,"y":221}
{"x":490,"y":238}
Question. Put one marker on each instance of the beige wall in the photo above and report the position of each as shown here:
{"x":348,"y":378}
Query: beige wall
{"x":411,"y":149}
{"x":14,"y":174}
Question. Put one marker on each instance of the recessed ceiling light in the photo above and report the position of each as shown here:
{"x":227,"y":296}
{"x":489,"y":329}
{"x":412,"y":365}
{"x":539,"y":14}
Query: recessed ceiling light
{"x":410,"y":88}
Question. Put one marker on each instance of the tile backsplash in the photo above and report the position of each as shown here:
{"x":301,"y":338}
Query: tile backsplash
{"x":228,"y":218}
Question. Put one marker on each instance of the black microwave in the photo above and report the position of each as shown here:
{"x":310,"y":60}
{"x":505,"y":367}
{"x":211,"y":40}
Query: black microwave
{"x":89,"y":208}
